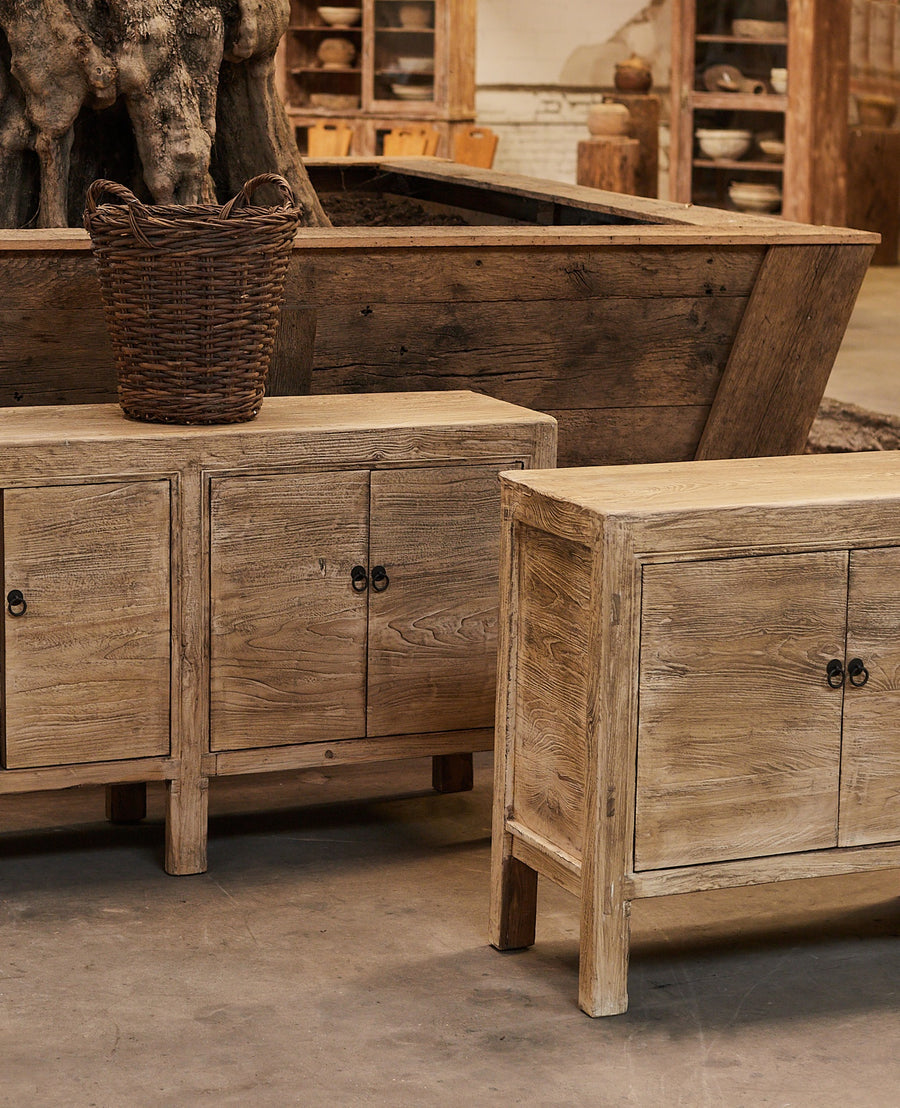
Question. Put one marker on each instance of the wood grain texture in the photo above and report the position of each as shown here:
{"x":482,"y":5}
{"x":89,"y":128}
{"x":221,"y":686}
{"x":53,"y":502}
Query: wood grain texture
{"x":433,"y":632}
{"x":287,"y":629}
{"x":870,"y":764}
{"x":612,"y":704}
{"x":784,"y":351}
{"x":740,"y":736}
{"x":873,"y":166}
{"x":87,"y":666}
{"x":550,"y":690}
{"x":609,"y":162}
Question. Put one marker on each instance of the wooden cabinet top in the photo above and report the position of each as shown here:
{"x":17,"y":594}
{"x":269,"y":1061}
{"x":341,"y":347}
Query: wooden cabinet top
{"x":279,"y":416}
{"x":822,"y":500}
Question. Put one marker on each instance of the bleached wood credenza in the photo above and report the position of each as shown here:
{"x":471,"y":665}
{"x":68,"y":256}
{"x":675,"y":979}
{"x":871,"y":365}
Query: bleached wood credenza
{"x":699,"y":686}
{"x":317,"y":586}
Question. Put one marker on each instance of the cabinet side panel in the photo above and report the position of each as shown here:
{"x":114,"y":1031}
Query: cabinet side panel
{"x":739,"y":734}
{"x":88,"y":663}
{"x":870,"y":769}
{"x":551,"y":688}
{"x":287,"y":629}
{"x":433,"y":631}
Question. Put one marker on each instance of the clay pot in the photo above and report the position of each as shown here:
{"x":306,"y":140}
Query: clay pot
{"x":415,"y":16}
{"x":633,"y":75}
{"x":876,"y":111}
{"x":336,"y":53}
{"x":609,"y":118}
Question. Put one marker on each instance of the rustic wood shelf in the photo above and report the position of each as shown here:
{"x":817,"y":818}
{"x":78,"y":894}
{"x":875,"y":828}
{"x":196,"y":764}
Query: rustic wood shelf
{"x":813,"y":113}
{"x":727,"y":163}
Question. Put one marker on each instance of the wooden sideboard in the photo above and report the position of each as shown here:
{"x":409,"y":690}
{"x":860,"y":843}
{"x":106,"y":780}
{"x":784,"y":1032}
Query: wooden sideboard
{"x":315,"y":587}
{"x":699,"y":687}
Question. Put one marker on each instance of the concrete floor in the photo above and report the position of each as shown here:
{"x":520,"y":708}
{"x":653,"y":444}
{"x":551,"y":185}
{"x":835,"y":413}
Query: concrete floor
{"x":335,"y":953}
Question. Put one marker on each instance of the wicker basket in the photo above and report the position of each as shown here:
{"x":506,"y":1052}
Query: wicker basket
{"x":192,"y":297}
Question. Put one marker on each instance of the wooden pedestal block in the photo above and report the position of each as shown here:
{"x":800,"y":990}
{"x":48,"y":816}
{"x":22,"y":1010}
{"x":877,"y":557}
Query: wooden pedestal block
{"x":609,"y":162}
{"x":873,"y":193}
{"x":699,"y":687}
{"x":644,"y":109}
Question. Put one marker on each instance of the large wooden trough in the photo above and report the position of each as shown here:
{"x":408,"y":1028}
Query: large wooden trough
{"x":652,"y":331}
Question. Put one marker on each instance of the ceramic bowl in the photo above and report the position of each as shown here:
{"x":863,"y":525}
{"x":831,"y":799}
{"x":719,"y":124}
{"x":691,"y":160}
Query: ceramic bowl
{"x":749,"y":197}
{"x":758,"y":28}
{"x":415,"y":17}
{"x":876,"y":111}
{"x":340,"y":17}
{"x":415,"y":65}
{"x":609,"y":118}
{"x":413,"y":92}
{"x":333,"y":101}
{"x":724,"y":144}
{"x":778,"y":81}
{"x":772,"y":148}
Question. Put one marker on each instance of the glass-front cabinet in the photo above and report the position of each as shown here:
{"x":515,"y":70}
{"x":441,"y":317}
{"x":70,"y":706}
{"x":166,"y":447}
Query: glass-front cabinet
{"x":760,"y":105}
{"x":378,"y":66}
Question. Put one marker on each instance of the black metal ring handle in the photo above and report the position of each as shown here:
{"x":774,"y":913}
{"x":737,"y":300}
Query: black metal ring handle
{"x":380,"y":579}
{"x":834,"y":673}
{"x":359,"y":579}
{"x":856,"y":668}
{"x":15,"y":603}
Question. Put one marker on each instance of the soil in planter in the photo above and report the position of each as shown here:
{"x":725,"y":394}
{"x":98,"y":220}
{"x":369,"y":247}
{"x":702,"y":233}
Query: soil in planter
{"x":357,"y":209}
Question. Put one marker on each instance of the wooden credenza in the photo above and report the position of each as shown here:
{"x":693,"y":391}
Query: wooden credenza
{"x":315,"y":587}
{"x":699,"y":687}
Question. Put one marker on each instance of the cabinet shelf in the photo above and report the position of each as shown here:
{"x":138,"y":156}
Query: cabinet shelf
{"x":743,"y":40}
{"x":811,"y":117}
{"x":727,"y":163}
{"x":382,"y":49}
{"x":740,"y":101}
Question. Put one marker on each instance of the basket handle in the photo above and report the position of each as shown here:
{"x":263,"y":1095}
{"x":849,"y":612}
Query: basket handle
{"x":135,"y":208}
{"x":246,"y":194}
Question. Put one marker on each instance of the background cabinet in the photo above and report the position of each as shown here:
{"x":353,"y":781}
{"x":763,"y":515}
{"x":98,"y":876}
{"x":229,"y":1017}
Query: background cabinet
{"x":811,"y":117}
{"x":405,"y":62}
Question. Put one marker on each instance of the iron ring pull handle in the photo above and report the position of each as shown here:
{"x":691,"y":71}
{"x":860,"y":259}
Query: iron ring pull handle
{"x":15,"y":603}
{"x":834,"y":673}
{"x":359,"y":579}
{"x":856,"y":668}
{"x":380,"y":579}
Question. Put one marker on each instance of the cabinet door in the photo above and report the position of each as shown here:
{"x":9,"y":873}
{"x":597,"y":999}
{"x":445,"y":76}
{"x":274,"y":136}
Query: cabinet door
{"x":739,"y":737}
{"x":87,"y":665}
{"x":870,"y":771}
{"x":288,"y":631}
{"x":433,"y":632}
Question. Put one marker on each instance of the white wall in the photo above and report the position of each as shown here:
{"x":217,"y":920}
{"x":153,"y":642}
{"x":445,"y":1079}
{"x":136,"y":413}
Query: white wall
{"x":532,"y":41}
{"x":542,"y":63}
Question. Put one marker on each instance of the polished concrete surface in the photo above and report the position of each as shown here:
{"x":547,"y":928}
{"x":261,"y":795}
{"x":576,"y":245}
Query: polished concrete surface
{"x":335,"y":953}
{"x":867,"y":370}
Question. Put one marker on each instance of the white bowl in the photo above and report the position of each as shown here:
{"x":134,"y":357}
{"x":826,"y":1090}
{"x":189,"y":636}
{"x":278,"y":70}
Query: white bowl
{"x":758,"y":28}
{"x":340,"y":17}
{"x":723,"y":144}
{"x":749,"y":197}
{"x":413,"y":92}
{"x":415,"y":65}
{"x":772,"y":148}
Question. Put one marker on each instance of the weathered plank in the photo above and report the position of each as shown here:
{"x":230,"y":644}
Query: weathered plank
{"x":784,"y":351}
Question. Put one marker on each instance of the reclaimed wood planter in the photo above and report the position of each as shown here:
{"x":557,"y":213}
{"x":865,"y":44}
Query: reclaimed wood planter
{"x":651,"y":331}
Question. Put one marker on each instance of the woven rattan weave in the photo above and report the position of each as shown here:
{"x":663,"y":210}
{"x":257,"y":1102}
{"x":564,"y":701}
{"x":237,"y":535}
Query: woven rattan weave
{"x":192,"y":297}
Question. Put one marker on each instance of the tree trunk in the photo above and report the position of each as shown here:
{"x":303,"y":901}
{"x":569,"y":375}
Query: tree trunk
{"x":174,"y":98}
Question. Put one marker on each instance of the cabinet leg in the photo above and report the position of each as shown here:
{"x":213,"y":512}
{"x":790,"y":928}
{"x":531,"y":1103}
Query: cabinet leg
{"x":452,"y":773}
{"x":126,"y":803}
{"x":513,"y":905}
{"x":187,"y":809}
{"x":603,"y":957}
